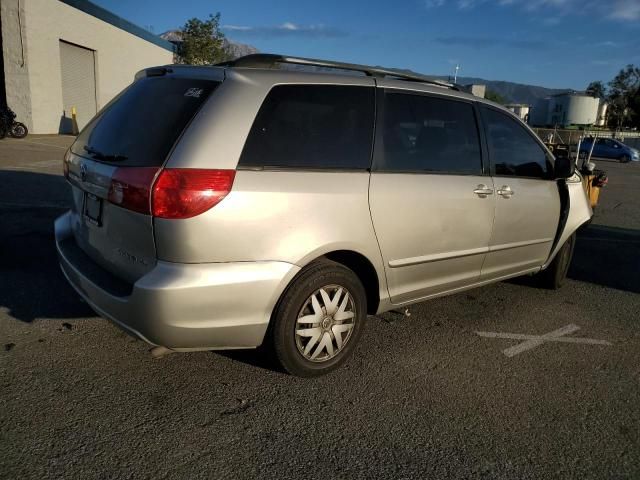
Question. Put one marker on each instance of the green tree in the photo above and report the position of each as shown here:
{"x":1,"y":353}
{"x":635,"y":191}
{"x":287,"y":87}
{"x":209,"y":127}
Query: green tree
{"x":495,"y":97}
{"x":624,"y":98}
{"x":597,"y":89}
{"x":202,"y":42}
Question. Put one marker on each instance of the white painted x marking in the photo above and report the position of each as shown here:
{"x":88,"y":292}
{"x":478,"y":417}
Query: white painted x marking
{"x":532,"y":341}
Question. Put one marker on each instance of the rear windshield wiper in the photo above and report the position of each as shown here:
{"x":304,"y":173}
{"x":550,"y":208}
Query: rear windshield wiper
{"x":98,"y":155}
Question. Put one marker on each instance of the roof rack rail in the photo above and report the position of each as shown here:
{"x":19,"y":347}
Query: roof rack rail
{"x":270,"y":60}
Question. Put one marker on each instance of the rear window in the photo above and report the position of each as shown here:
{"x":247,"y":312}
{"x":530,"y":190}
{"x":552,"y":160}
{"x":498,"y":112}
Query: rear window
{"x":142,"y":124}
{"x":312,"y":126}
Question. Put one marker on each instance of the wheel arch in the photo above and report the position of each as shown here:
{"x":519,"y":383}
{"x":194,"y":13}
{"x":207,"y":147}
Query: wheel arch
{"x":359,"y":264}
{"x":364,"y":270}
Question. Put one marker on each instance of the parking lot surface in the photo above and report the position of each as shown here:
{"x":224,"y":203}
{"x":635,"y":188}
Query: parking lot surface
{"x":449,"y":392}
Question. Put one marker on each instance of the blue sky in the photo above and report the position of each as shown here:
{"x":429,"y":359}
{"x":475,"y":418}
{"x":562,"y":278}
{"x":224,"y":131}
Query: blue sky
{"x":553,"y":43}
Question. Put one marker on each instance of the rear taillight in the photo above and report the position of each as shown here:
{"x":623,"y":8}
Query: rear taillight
{"x":131,"y":188}
{"x":187,"y":192}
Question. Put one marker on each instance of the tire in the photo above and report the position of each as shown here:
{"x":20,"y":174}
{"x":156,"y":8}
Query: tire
{"x":555,"y":274}
{"x":19,"y":130}
{"x":312,"y":347}
{"x":625,"y":159}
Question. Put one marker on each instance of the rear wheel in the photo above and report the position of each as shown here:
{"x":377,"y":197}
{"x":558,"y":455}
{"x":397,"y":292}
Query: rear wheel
{"x":625,"y":158}
{"x":553,"y":277}
{"x":319,"y":319}
{"x":19,"y":130}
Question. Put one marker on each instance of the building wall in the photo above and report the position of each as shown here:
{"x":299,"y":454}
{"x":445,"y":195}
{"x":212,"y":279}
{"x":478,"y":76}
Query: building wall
{"x":118,"y":56}
{"x":522,"y":111}
{"x":16,"y":67}
{"x":476,"y":89}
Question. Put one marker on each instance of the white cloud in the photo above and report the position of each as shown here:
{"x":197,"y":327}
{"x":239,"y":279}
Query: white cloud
{"x":621,"y":10}
{"x":625,"y":10}
{"x":318,"y":30}
{"x":607,"y":43}
{"x":289,"y":26}
{"x":237,"y":28}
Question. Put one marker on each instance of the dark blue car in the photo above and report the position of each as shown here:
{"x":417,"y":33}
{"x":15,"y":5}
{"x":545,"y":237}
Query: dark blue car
{"x":609,"y":148}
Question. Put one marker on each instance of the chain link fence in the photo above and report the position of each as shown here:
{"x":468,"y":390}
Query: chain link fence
{"x":571,"y":137}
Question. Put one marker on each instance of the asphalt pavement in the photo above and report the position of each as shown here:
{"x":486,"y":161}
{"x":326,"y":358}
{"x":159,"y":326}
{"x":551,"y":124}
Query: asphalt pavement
{"x":465,"y":387}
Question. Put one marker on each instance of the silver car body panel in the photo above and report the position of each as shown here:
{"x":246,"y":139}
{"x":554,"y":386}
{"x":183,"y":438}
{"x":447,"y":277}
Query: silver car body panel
{"x":524,"y":227}
{"x":434,"y":236}
{"x":579,"y":213}
{"x":123,"y":244}
{"x":188,"y":306}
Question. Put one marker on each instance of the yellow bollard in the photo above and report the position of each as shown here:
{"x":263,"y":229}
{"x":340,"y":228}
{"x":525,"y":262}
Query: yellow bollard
{"x":74,"y":121}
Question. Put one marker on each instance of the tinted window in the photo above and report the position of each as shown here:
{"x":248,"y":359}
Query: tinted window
{"x":142,"y":124}
{"x":312,"y":126}
{"x":429,"y":134}
{"x":513,"y":150}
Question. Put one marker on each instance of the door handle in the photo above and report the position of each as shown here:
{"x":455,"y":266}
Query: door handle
{"x":482,"y":191}
{"x":506,"y":191}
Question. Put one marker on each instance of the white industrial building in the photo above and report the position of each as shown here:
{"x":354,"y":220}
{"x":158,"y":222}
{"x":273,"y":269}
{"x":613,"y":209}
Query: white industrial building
{"x":60,"y":54}
{"x":520,"y":109}
{"x":564,"y":109}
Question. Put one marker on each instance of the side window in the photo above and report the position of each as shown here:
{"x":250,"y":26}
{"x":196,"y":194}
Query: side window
{"x":428,"y":134}
{"x":513,"y":150}
{"x":312,"y":126}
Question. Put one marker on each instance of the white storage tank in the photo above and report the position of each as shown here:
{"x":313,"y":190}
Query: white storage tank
{"x":573,"y":109}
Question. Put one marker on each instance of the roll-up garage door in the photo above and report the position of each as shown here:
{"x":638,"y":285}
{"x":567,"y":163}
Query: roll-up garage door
{"x":78,"y":84}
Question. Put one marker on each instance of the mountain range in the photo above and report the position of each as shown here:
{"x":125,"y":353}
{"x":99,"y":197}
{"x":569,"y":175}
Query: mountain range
{"x":512,"y":92}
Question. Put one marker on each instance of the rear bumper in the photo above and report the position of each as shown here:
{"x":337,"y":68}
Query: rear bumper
{"x":185,"y":306}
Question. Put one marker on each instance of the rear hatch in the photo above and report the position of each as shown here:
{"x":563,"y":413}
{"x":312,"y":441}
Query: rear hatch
{"x":115,"y":160}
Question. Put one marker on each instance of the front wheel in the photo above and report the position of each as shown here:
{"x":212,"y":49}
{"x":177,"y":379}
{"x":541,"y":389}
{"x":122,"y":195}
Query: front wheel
{"x":553,"y":277}
{"x":625,"y":159}
{"x":19,"y":130}
{"x":319,"y":319}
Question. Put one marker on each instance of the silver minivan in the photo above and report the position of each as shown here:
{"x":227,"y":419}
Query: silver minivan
{"x":260,"y":201}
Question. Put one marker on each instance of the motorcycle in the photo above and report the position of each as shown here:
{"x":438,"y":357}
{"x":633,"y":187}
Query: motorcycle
{"x":9,"y":126}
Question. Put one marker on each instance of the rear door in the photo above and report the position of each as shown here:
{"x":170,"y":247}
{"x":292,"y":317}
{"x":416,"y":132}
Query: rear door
{"x":527,"y":197}
{"x":114,"y":161}
{"x":431,"y":202}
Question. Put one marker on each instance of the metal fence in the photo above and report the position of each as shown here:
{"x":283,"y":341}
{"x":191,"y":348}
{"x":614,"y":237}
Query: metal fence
{"x":571,"y":137}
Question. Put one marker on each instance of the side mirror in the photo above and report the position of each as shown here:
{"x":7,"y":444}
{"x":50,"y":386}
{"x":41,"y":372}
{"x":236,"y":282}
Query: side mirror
{"x":564,"y":167}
